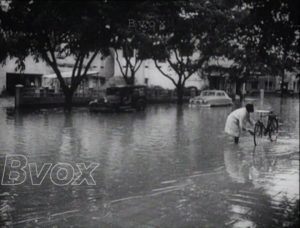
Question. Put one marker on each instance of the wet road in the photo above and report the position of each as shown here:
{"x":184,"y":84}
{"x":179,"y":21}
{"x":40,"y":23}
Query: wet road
{"x":167,"y":167}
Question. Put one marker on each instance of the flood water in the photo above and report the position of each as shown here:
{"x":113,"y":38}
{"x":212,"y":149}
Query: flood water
{"x":165,"y":167}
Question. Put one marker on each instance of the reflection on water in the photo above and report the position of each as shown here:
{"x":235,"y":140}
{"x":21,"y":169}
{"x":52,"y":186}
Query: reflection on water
{"x":176,"y":158}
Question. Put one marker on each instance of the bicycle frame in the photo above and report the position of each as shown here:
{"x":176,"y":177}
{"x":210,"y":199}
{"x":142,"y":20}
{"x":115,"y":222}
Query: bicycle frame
{"x":271,"y":129}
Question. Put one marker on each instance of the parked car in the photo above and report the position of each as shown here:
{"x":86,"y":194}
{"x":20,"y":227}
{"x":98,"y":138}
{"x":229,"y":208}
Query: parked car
{"x":211,"y":98}
{"x":121,"y":98}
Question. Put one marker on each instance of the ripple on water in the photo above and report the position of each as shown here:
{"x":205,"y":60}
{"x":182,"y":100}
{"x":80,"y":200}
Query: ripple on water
{"x":176,"y":158}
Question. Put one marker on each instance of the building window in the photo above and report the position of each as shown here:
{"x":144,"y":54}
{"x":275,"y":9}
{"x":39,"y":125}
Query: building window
{"x":271,"y":85}
{"x":266,"y":85}
{"x":102,"y":81}
{"x":254,"y":85}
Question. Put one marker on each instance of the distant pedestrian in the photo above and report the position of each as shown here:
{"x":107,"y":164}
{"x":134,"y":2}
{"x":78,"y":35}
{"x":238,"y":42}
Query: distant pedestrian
{"x":236,"y":121}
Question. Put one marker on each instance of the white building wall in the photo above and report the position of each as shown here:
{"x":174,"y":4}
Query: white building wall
{"x":99,"y":64}
{"x":103,"y":65}
{"x":31,"y":68}
{"x":108,"y":68}
{"x":148,"y":71}
{"x":292,"y":80}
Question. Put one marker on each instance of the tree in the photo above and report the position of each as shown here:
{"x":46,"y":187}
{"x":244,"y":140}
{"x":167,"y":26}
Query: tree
{"x":49,"y":29}
{"x":246,"y":63}
{"x":275,"y":27}
{"x":200,"y":31}
{"x":3,"y":49}
{"x":135,"y":50}
{"x":133,"y":62}
{"x":130,"y":37}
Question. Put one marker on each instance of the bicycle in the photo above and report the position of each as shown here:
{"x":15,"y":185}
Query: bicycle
{"x":271,"y":129}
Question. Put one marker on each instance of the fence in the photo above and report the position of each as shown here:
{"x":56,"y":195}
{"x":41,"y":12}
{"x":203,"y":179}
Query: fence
{"x":45,"y":92}
{"x":43,"y":97}
{"x":39,"y":97}
{"x":166,"y":95}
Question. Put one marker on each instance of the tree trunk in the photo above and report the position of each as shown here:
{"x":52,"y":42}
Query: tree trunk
{"x":282,"y":72}
{"x":129,"y":80}
{"x":282,"y":83}
{"x":241,"y":90}
{"x":180,"y":94}
{"x":68,"y":100}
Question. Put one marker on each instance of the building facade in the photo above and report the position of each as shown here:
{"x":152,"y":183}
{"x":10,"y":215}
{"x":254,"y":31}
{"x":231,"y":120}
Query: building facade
{"x":271,"y":84}
{"x":107,"y":67}
{"x":109,"y":74}
{"x":149,"y":75}
{"x":34,"y":72}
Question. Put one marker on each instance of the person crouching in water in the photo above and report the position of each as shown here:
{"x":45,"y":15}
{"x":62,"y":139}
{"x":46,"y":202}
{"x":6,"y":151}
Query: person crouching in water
{"x":236,"y":119}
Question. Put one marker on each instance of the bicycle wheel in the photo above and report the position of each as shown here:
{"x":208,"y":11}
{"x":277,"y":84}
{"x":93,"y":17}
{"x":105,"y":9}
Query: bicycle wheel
{"x":273,"y":130}
{"x":258,"y":133}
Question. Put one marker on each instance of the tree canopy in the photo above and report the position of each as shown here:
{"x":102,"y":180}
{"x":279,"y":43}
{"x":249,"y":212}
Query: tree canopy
{"x":270,"y":29}
{"x":201,"y":31}
{"x":130,"y":35}
{"x":255,"y":34}
{"x":49,"y":29}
